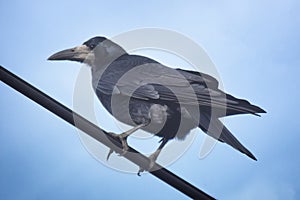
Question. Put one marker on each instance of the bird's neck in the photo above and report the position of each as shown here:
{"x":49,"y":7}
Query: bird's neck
{"x":103,"y":60}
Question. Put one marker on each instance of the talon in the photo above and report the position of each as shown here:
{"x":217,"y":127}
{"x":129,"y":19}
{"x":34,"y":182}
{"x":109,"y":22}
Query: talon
{"x":109,"y":153}
{"x":140,"y":171}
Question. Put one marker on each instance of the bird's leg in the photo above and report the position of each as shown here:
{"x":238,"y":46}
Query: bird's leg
{"x":153,"y":156}
{"x":123,"y":138}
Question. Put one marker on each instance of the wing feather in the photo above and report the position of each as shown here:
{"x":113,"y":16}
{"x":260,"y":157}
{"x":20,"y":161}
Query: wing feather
{"x":143,"y":78}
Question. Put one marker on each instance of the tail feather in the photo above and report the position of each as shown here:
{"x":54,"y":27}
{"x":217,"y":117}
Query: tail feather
{"x":227,"y":137}
{"x":218,"y":131}
{"x":241,"y":106}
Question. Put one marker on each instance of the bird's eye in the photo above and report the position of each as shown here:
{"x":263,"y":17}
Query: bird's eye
{"x":92,"y":46}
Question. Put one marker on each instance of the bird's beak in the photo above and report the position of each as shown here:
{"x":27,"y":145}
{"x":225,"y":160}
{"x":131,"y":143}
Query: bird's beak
{"x":79,"y":53}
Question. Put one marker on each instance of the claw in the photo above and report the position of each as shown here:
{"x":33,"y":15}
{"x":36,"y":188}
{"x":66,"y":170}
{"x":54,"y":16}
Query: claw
{"x":140,"y":171}
{"x":109,"y":153}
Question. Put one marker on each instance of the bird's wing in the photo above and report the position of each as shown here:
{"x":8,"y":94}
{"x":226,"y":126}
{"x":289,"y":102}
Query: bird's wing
{"x":140,"y":78}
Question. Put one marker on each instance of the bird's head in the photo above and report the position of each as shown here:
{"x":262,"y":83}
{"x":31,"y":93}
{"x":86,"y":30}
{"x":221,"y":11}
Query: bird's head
{"x":95,"y":51}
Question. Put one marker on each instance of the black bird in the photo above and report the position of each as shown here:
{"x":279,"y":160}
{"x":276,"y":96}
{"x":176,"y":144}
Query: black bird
{"x":167,"y":102}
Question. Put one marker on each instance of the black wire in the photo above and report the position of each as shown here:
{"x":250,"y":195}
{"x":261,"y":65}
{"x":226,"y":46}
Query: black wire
{"x":100,"y":135}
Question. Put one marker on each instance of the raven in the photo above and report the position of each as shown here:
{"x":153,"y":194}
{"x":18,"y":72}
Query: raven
{"x":167,"y":102}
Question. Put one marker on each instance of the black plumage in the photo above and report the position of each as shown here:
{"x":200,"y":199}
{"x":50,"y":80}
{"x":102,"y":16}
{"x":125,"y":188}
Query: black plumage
{"x":167,"y":102}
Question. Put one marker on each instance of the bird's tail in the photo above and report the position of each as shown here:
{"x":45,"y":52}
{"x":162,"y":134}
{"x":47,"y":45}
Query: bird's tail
{"x":216,"y":129}
{"x":241,"y":106}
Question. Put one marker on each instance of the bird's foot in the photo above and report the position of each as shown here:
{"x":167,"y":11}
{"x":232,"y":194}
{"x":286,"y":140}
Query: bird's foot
{"x":123,"y":139}
{"x":152,"y":159}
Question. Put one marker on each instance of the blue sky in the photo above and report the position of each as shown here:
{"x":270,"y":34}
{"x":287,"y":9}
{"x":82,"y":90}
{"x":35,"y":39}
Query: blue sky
{"x":255,"y":46}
